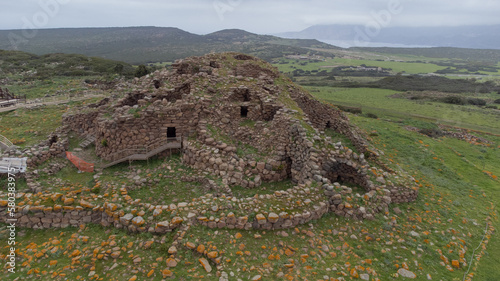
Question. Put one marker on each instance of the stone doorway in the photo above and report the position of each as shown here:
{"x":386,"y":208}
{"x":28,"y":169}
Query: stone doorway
{"x":171,"y":133}
{"x":244,"y":111}
{"x":345,"y":174}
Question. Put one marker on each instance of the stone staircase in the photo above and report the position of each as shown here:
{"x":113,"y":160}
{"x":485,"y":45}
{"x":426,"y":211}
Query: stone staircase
{"x":5,"y":143}
{"x":87,"y":141}
{"x":142,"y":153}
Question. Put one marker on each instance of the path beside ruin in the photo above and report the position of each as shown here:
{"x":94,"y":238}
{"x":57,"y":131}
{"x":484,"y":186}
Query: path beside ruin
{"x":48,"y":101}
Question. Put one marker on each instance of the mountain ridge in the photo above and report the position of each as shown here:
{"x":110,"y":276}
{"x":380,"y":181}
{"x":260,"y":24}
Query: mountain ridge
{"x":476,"y":37}
{"x":154,"y":44}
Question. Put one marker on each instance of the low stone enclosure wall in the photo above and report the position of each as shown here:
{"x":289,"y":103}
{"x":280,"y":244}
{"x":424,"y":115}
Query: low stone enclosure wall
{"x":309,"y":167}
{"x":65,"y":216}
{"x":45,"y":218}
{"x":308,"y":164}
{"x":109,"y":214}
{"x":55,"y":146}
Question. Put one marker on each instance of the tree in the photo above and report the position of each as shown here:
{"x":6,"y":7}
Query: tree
{"x":141,"y":70}
{"x":118,"y":68}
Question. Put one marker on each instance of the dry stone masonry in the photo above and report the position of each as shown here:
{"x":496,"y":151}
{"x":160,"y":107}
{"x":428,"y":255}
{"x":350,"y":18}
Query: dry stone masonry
{"x":240,"y":122}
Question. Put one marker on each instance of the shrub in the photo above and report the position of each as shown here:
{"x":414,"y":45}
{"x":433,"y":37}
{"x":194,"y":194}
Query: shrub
{"x":433,"y":133}
{"x":497,"y":101}
{"x":454,"y":100}
{"x":118,"y":68}
{"x":475,"y":101}
{"x":372,"y":115}
{"x":104,"y":142}
{"x":141,"y":70}
{"x":353,"y":110}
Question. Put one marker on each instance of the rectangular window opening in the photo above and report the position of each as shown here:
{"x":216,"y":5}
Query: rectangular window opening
{"x":244,"y":111}
{"x":171,"y":133}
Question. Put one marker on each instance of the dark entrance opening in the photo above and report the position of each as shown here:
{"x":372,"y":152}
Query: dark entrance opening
{"x":289,"y":167}
{"x":53,"y":140}
{"x":328,"y":125}
{"x":157,"y":84}
{"x":246,"y":95}
{"x":244,"y":111}
{"x":346,"y":175}
{"x":171,"y":132}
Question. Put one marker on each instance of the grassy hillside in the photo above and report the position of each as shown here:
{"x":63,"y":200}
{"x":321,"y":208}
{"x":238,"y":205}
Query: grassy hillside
{"x":381,"y":103}
{"x":156,"y":44}
{"x":31,"y":67}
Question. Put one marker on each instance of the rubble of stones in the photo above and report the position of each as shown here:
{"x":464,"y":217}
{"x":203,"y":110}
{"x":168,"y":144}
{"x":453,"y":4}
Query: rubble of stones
{"x":6,"y":95}
{"x":457,"y":133}
{"x":243,"y":122}
{"x":55,"y":146}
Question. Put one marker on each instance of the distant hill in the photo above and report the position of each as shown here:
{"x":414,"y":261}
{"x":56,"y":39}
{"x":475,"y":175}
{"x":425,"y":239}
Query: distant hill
{"x":476,"y":37}
{"x":32,"y":66}
{"x":155,"y":44}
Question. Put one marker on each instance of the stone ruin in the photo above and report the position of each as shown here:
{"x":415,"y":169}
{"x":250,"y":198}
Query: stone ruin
{"x":237,"y":118}
{"x":240,"y":120}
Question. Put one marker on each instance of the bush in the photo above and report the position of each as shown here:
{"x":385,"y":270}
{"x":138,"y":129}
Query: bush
{"x":454,"y":100}
{"x":475,"y":101}
{"x":141,"y":70}
{"x":353,"y":110}
{"x":497,"y":101}
{"x":433,"y":133}
{"x":372,"y":115}
{"x":104,"y":142}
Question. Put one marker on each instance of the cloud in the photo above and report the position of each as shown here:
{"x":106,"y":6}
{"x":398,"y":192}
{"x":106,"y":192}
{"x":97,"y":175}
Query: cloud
{"x":259,"y":16}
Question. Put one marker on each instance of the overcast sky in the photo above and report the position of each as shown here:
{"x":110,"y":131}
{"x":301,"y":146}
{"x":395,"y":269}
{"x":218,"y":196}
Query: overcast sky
{"x":258,"y":16}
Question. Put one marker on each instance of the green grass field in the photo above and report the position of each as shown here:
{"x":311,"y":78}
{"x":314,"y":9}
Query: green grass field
{"x":458,"y":174}
{"x":378,"y":101}
{"x":51,"y":87}
{"x":412,"y":68}
{"x":26,"y":127}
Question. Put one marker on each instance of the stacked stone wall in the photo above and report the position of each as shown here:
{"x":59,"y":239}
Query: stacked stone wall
{"x":82,"y":124}
{"x":48,"y":150}
{"x":323,"y":116}
{"x":147,"y":129}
